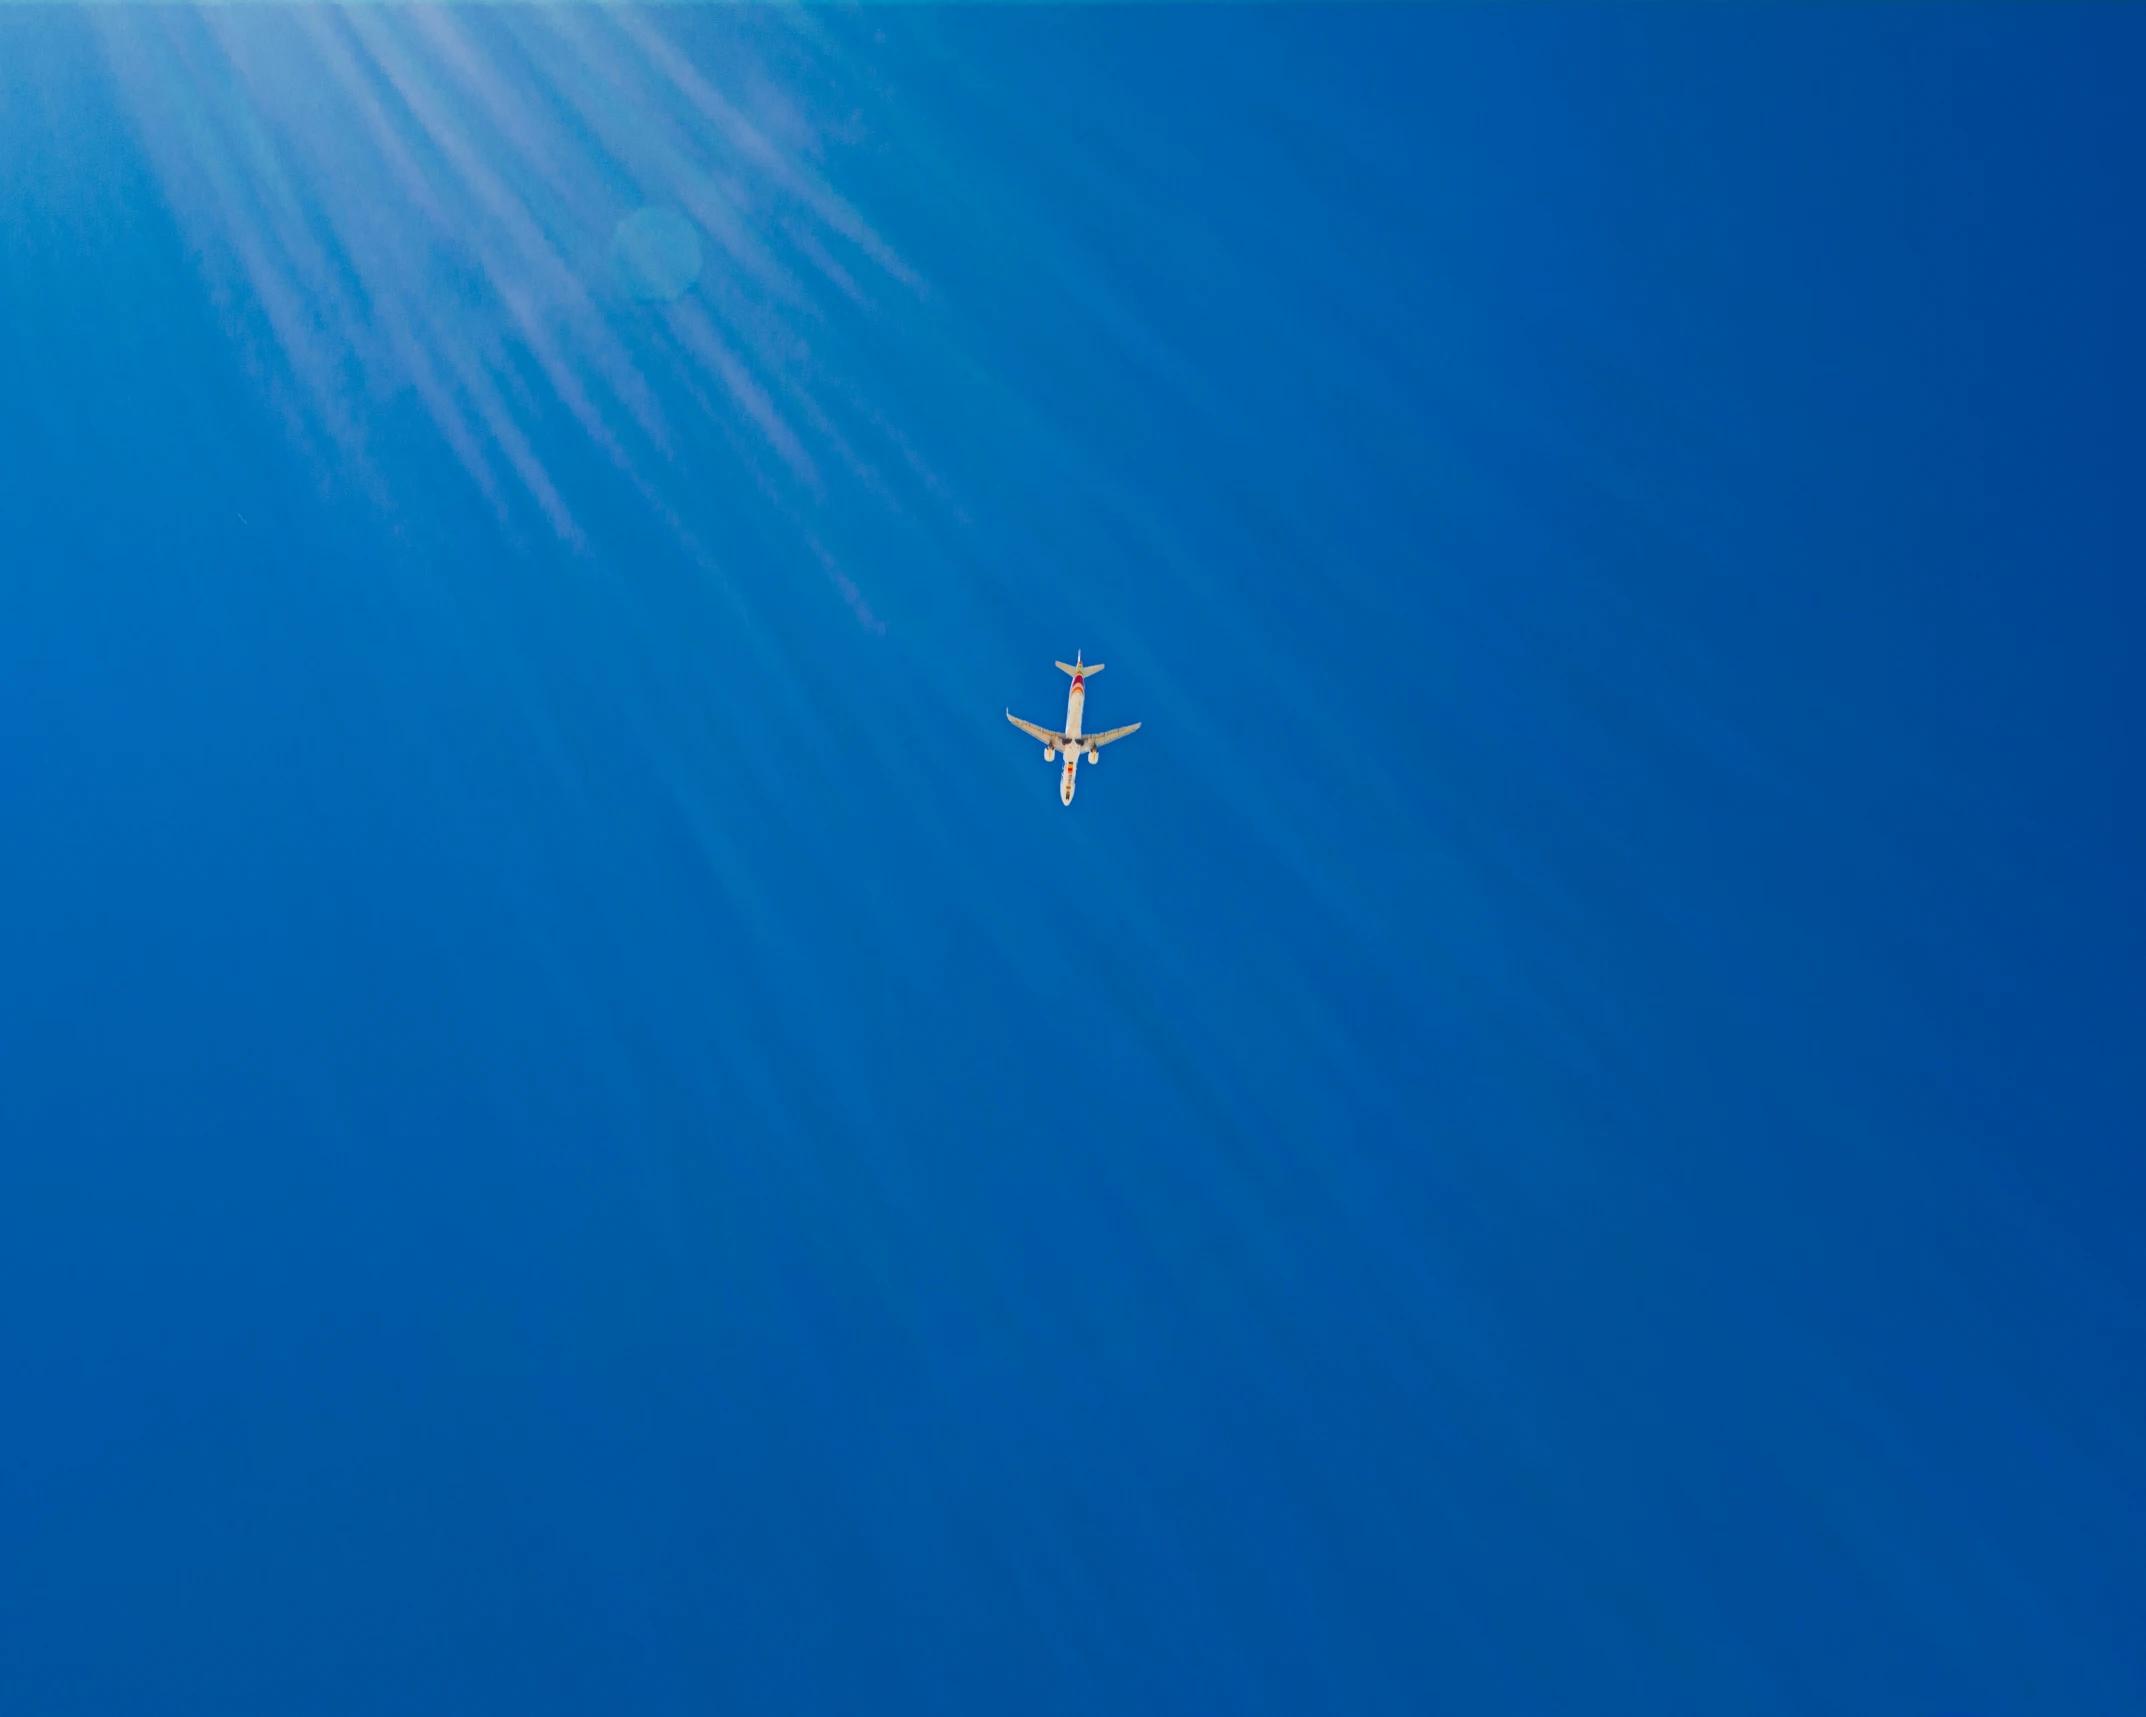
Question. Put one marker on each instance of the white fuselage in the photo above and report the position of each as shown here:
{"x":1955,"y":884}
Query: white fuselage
{"x":1074,"y":699}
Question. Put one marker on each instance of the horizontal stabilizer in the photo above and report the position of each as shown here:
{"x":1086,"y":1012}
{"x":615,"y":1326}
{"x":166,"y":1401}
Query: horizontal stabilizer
{"x":1077,"y":669}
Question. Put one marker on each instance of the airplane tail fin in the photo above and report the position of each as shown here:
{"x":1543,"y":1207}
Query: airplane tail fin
{"x":1077,"y":669}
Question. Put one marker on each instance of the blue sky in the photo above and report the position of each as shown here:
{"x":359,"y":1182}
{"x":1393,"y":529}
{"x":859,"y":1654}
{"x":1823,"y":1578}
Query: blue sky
{"x":1557,"y":1132}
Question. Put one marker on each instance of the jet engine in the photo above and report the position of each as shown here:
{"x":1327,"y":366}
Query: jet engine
{"x":1095,"y":754}
{"x":1050,"y":754}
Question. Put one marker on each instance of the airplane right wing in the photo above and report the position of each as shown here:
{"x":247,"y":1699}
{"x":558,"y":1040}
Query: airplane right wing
{"x":1106,"y":738}
{"x":1043,"y":733}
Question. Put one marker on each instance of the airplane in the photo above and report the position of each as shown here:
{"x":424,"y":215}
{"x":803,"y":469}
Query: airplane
{"x":1072,"y":742}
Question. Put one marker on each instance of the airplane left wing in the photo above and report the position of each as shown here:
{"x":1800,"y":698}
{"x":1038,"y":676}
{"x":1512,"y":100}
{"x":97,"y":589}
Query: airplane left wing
{"x":1106,"y":738}
{"x":1042,"y":733}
